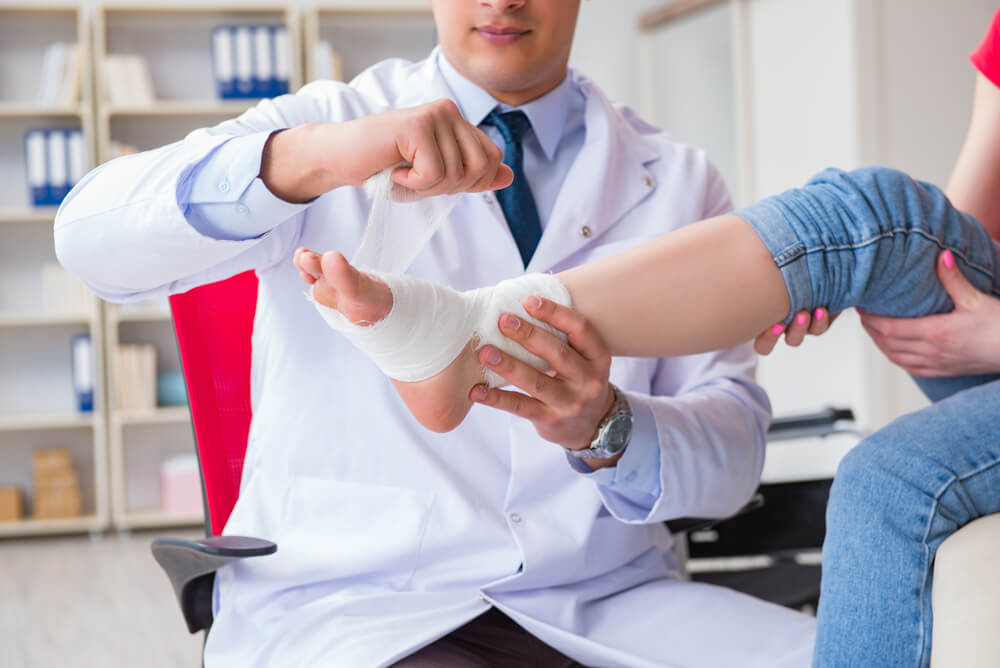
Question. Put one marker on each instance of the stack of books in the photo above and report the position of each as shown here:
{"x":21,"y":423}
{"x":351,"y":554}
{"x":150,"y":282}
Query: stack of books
{"x":251,"y":61}
{"x":55,"y":160}
{"x":127,"y":82}
{"x":59,"y":84}
{"x":57,"y":489}
{"x":134,"y":372}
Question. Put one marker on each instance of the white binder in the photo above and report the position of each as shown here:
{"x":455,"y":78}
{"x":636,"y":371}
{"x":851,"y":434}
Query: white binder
{"x":77,"y":157}
{"x":222,"y":59}
{"x":244,"y":61}
{"x":34,"y":158}
{"x":58,"y":168}
{"x":282,"y":60}
{"x":263,"y":70}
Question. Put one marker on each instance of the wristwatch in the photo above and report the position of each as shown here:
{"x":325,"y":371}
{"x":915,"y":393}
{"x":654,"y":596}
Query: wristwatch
{"x":613,"y":433}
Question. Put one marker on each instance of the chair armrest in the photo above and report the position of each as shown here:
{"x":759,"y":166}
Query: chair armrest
{"x":689,"y":524}
{"x":191,"y":566}
{"x":808,"y":424}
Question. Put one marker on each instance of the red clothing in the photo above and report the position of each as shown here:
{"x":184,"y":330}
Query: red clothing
{"x":987,"y":57}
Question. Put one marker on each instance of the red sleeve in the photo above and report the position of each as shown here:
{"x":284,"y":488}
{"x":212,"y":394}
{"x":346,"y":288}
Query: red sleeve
{"x":987,"y":57}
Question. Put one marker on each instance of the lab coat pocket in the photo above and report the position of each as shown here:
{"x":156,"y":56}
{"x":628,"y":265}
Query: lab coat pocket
{"x":346,"y":533}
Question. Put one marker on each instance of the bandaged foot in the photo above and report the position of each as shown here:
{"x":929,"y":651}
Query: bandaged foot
{"x":422,"y":335}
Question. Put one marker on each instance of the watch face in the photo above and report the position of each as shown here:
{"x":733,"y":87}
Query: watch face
{"x":617,"y":433}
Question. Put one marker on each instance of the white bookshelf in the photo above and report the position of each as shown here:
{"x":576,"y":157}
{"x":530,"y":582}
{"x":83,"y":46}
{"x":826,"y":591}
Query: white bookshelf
{"x":175,"y":41}
{"x":37,"y":401}
{"x":363,"y":34}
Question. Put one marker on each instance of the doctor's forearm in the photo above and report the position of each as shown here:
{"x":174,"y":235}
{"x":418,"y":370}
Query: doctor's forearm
{"x":708,"y":286}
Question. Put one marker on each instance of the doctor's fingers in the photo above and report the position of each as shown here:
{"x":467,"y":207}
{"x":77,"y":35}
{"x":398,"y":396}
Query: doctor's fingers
{"x":514,"y":403}
{"x":583,"y":336}
{"x":558,"y":354}
{"x":548,"y":390}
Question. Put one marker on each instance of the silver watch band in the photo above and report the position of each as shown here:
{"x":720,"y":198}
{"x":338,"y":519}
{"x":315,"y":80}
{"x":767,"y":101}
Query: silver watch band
{"x":600,"y":447}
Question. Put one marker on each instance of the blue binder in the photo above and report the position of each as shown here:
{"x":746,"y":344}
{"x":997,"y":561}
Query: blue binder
{"x":83,"y":372}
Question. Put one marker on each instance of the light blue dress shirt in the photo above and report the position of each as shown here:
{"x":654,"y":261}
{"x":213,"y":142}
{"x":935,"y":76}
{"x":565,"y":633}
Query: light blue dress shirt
{"x":557,"y":134}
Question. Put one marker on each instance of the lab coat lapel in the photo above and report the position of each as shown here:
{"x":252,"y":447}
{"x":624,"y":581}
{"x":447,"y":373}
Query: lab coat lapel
{"x":608,"y":179}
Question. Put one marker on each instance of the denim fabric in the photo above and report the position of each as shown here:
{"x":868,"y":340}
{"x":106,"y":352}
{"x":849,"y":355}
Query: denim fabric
{"x":870,"y":238}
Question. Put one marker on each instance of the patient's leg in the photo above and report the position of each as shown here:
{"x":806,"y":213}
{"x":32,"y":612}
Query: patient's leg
{"x":423,"y":335}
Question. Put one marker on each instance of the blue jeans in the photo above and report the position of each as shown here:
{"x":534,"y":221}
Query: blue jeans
{"x":870,"y":238}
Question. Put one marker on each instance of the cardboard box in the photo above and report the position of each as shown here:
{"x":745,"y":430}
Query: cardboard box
{"x":51,"y":505}
{"x":11,"y":504}
{"x":51,"y":459}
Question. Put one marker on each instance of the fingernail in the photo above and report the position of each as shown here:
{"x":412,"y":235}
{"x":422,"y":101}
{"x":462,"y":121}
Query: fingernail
{"x":949,"y":259}
{"x":801,"y":318}
{"x":820,"y":313}
{"x":533,"y":303}
{"x":777,"y":329}
{"x":478,"y":393}
{"x":493,"y":356}
{"x":511,"y":322}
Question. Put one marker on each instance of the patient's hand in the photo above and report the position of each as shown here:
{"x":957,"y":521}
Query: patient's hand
{"x":795,"y":333}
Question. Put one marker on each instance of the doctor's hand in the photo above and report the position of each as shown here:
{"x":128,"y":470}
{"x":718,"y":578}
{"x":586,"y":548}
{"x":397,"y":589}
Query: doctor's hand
{"x":963,"y":342}
{"x":567,"y":404}
{"x":803,"y":323}
{"x":445,"y":154}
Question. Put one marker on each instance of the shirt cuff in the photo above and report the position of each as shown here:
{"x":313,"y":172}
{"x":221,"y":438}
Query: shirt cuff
{"x":225,"y":198}
{"x":636,"y":477}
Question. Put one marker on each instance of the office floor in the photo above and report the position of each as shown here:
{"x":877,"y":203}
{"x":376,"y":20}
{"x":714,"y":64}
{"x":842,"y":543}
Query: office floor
{"x":82,"y":601}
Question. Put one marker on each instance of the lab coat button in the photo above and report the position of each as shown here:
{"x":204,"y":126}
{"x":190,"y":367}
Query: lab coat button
{"x":224,"y":186}
{"x":515,"y":518}
{"x":586,"y":231}
{"x":242,"y":209}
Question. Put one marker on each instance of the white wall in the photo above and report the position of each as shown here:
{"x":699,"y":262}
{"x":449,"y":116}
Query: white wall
{"x":606,"y":46}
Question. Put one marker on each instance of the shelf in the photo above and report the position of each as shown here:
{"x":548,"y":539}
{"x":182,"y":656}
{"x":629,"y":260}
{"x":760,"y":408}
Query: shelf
{"x":164,"y":415}
{"x":44,"y":319}
{"x":157,"y":518}
{"x":182,"y":108}
{"x":36,"y":215}
{"x":22,"y":422}
{"x":30,"y":527}
{"x":30,"y":110}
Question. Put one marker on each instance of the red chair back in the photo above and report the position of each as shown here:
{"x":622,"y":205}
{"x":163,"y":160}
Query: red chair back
{"x":213,"y":324}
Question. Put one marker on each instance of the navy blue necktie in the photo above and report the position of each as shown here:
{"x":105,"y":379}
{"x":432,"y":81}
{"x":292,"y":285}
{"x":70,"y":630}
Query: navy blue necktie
{"x":516,"y":200}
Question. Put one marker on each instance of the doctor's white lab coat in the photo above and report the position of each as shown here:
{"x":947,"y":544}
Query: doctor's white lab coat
{"x":390,"y":536}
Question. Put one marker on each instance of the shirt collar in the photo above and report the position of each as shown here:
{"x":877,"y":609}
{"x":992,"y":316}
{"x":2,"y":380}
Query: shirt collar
{"x":547,"y":114}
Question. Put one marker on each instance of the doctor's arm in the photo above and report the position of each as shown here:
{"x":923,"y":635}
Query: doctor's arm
{"x":230,"y":198}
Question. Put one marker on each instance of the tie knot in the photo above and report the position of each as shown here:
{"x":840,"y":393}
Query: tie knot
{"x":512,"y":124}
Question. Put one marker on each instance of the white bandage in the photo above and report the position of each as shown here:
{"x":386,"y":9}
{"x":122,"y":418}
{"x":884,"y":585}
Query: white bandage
{"x":430,"y":324}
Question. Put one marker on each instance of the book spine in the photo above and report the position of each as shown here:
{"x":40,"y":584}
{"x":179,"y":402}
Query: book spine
{"x":83,"y":372}
{"x":223,"y":57}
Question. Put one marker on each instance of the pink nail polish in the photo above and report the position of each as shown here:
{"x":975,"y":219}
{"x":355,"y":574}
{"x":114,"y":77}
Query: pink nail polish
{"x":534,"y":303}
{"x":820,"y":313}
{"x":478,"y":393}
{"x":512,"y":322}
{"x":949,"y":259}
{"x":493,"y":356}
{"x":801,"y":318}
{"x":777,"y":329}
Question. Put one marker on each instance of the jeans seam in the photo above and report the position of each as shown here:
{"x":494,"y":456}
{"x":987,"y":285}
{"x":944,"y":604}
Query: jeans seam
{"x":906,"y":231}
{"x":927,"y":557}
